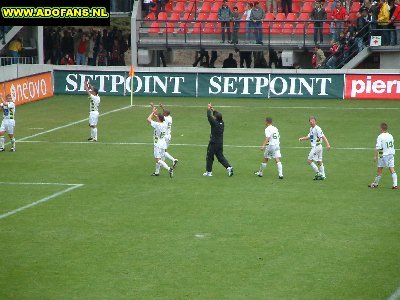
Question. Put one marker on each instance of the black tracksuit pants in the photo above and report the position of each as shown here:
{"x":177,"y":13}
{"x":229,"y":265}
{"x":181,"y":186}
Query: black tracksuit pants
{"x":217,"y":150}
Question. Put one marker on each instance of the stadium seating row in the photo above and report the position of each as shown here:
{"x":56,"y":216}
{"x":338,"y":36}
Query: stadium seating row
{"x":209,"y":10}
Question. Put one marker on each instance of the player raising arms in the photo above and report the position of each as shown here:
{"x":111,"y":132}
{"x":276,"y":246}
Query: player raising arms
{"x":316,"y":136}
{"x":168,"y":120}
{"x":8,"y":123}
{"x":271,"y":148}
{"x":94,"y":104}
{"x":384,"y":156}
{"x":160,"y":130}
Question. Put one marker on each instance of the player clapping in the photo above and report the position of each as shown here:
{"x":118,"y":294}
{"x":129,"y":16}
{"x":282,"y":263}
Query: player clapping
{"x":168,"y":136}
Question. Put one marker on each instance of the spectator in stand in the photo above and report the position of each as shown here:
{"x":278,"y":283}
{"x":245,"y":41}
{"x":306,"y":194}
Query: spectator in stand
{"x":67,"y":60}
{"x":339,"y":15}
{"x":67,"y":43}
{"x":77,"y":37}
{"x":286,"y":6}
{"x":214,"y":56}
{"x":92,"y":50}
{"x":318,"y":15}
{"x":116,"y":54}
{"x":273,"y":59}
{"x":319,"y":57}
{"x":259,"y":60}
{"x":274,"y":7}
{"x":236,"y":25}
{"x":383,"y":22}
{"x":225,"y":16}
{"x":56,"y":47}
{"x":257,"y":16}
{"x":245,"y":57}
{"x":331,"y":63}
{"x":161,"y":5}
{"x":146,"y":7}
{"x":392,"y":29}
{"x":82,"y":50}
{"x":362,"y":30}
{"x":230,"y":62}
{"x":249,"y":24}
{"x":101,"y":59}
{"x":203,"y":54}
{"x":15,"y":49}
{"x":47,"y":43}
{"x":396,"y":21}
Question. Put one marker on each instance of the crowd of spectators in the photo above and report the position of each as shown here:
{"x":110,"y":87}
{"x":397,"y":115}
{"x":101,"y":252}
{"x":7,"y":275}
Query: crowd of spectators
{"x":69,"y":46}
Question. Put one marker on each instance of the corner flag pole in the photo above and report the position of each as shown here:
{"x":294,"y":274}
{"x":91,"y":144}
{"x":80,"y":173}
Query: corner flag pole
{"x":131,"y":74}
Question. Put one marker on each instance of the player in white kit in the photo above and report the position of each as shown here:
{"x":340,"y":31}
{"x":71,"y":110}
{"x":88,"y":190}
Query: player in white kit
{"x":168,"y":136}
{"x":384,"y":156}
{"x":316,"y":136}
{"x":160,"y":130}
{"x":271,"y":148}
{"x":8,"y":123}
{"x":94,"y":103}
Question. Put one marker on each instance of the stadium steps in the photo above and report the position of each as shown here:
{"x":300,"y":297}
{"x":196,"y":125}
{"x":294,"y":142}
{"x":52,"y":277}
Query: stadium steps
{"x":358,"y":59}
{"x":9,"y":35}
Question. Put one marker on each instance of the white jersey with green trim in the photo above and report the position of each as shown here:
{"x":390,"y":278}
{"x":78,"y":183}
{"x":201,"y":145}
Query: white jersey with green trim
{"x":272,"y":133}
{"x":168,"y":121}
{"x":94,"y":103}
{"x":315,"y":136}
{"x":8,"y":111}
{"x":160,"y":130}
{"x":385,"y":144}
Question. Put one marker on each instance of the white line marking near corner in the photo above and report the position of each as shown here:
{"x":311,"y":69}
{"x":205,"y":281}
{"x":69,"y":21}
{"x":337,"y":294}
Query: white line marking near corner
{"x":395,"y":295}
{"x":70,"y":188}
{"x":278,"y":107}
{"x":71,"y":124}
{"x":36,"y":128}
{"x":188,"y":145}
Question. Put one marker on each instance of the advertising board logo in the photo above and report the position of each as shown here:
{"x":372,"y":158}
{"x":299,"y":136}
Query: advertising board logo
{"x":379,"y":87}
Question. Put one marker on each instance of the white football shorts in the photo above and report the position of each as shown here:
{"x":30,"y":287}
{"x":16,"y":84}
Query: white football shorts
{"x":167,"y":140}
{"x":8,"y":125}
{"x":386,"y":161}
{"x":272,"y":151}
{"x":93,"y":118}
{"x":159,"y":153}
{"x":315,"y":153}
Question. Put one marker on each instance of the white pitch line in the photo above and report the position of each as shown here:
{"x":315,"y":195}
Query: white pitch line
{"x":187,"y":145}
{"x":278,"y":107}
{"x":70,"y":124}
{"x":71,"y":187}
{"x":395,"y":295}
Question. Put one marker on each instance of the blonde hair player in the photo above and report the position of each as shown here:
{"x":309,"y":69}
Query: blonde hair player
{"x":94,"y":104}
{"x":316,"y":136}
{"x":8,"y":123}
{"x":384,"y":156}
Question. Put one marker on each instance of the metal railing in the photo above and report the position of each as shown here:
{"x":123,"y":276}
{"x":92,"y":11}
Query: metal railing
{"x":5,"y":61}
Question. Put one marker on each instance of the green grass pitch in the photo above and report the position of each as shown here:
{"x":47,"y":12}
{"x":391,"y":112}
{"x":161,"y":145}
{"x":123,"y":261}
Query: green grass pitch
{"x":127,"y":235}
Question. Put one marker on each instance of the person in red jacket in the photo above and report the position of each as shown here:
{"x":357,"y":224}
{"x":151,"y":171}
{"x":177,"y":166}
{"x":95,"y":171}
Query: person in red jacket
{"x":339,"y":16}
{"x":395,"y":19}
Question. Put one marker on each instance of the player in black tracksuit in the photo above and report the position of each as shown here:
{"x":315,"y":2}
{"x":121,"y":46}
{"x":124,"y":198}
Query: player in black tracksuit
{"x":215,"y":146}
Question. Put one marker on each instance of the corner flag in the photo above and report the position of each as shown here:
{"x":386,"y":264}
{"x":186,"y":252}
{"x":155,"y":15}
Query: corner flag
{"x":131,"y":74}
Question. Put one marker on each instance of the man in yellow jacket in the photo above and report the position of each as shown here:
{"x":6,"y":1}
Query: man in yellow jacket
{"x":383,"y":22}
{"x":14,"y":49}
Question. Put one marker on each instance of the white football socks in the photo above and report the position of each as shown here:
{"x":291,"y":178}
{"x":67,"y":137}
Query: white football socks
{"x":280,"y":171}
{"x":377,"y":178}
{"x":95,"y":133}
{"x":394,"y":177}
{"x":322,"y":170}
{"x":1,"y":141}
{"x":13,"y":143}
{"x":163,"y":164}
{"x":157,"y":168}
{"x":262,"y":167}
{"x":314,"y":166}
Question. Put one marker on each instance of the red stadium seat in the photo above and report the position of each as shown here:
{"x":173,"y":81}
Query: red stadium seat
{"x":269,"y":17}
{"x":310,"y":28}
{"x":168,"y":7}
{"x":291,"y":17}
{"x":169,"y":28}
{"x":184,"y":27}
{"x":155,"y":27}
{"x":175,"y":17}
{"x":304,"y":17}
{"x":202,"y":17}
{"x":179,"y":7}
{"x":288,"y":28}
{"x":276,"y":28}
{"x":196,"y":28}
{"x":209,"y":28}
{"x":212,"y":17}
{"x":191,"y":7}
{"x":162,"y":16}
{"x":296,"y":7}
{"x":353,"y":16}
{"x":151,"y":17}
{"x":187,"y":17}
{"x":206,"y":7}
{"x":215,"y":7}
{"x":240,"y":6}
{"x":307,"y":7}
{"x":299,"y":28}
{"x":326,"y":29}
{"x":280,"y":17}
